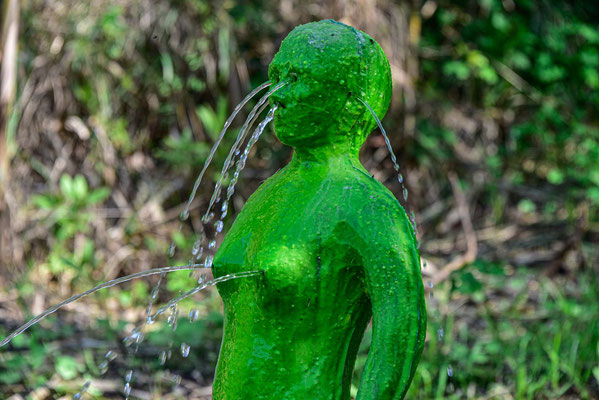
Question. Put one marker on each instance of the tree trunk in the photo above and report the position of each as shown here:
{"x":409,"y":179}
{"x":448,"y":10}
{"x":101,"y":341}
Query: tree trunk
{"x":8,"y":75}
{"x":8,"y":78}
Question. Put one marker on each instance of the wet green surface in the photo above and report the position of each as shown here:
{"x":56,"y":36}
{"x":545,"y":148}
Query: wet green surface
{"x":335,"y":245}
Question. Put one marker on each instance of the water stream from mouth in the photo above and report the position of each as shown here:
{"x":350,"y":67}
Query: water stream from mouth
{"x":240,"y":138}
{"x":228,"y":122}
{"x":400,"y":177}
{"x":412,"y":216}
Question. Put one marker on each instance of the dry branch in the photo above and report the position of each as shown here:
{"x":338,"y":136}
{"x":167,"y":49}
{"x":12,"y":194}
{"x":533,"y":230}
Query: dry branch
{"x":471,"y":241}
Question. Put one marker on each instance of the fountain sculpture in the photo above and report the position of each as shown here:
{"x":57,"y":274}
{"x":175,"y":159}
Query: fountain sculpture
{"x":333,"y":244}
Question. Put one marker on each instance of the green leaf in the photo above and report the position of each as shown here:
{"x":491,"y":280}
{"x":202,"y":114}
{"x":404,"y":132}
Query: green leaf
{"x":594,"y":176}
{"x":526,"y":206}
{"x":591,"y":34}
{"x":591,"y":77}
{"x":179,"y":239}
{"x":488,"y":74}
{"x":9,"y":377}
{"x":66,"y":187}
{"x":179,"y":281}
{"x":67,"y":367}
{"x":468,"y":283}
{"x":195,"y":84}
{"x":477,"y":59}
{"x":98,"y":195}
{"x":168,"y":70}
{"x":593,"y":194}
{"x":552,"y":73}
{"x":519,"y":60}
{"x":555,"y":176}
{"x":500,"y":22}
{"x":458,"y":69}
{"x":79,"y":187}
{"x":44,"y":201}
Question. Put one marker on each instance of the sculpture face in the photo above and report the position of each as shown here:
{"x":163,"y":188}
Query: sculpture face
{"x":328,"y":65}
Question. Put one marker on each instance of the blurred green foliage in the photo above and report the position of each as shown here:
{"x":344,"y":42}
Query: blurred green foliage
{"x":546,"y":339}
{"x":533,"y":65}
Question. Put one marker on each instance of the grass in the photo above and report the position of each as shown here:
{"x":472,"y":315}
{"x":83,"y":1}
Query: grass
{"x":511,"y":335}
{"x":494,"y":332}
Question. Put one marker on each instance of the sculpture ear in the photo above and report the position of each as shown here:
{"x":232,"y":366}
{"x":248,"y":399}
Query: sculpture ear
{"x":353,"y":122}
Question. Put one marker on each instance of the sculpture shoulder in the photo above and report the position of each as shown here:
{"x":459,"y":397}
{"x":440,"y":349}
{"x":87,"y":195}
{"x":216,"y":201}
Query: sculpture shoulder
{"x":377,"y":214}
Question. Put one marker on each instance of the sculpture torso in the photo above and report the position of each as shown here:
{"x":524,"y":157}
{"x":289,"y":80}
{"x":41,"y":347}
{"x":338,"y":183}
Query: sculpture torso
{"x":298,"y":230}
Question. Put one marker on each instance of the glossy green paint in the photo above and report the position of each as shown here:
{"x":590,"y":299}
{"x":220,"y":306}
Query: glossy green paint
{"x":334,"y":245}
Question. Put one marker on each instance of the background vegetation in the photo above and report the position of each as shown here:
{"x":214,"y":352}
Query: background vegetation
{"x":494,"y":120}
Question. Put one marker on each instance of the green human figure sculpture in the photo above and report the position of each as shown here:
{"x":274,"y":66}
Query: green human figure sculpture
{"x":335,"y":246}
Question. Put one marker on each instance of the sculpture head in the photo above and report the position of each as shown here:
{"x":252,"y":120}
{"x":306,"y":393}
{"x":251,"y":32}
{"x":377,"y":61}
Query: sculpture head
{"x":329,"y":65}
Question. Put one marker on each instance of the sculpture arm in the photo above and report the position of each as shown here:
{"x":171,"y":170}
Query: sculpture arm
{"x":394,"y":284}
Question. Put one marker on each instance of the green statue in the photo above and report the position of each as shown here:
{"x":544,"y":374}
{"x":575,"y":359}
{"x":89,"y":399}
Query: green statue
{"x":335,"y":246}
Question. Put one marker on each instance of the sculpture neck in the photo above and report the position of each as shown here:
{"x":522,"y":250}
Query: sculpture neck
{"x":331,"y":154}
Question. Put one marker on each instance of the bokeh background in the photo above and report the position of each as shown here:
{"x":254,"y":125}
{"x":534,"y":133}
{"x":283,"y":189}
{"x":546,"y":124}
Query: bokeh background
{"x":109,"y":109}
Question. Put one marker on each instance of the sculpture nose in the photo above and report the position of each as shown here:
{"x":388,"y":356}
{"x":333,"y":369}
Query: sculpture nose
{"x":282,"y":96}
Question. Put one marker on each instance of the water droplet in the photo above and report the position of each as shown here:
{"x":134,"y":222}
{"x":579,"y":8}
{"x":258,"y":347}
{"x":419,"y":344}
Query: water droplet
{"x":185,"y":349}
{"x":103,"y":367}
{"x":400,"y":177}
{"x":219,"y":226}
{"x":224,"y":207}
{"x":201,"y":279}
{"x":208,"y":262}
{"x":184,"y":215}
{"x":200,"y":252}
{"x":172,"y":319}
{"x":237,"y":152}
{"x":171,"y":250}
{"x":405,"y":194}
{"x":163,"y":358}
{"x":177,"y":379}
{"x":77,"y":396}
{"x":155,"y":292}
{"x":128,"y":376}
{"x":212,"y":244}
{"x":194,"y":314}
{"x":127,"y":390}
{"x":110,"y":355}
{"x":430,"y":284}
{"x":230,"y":190}
{"x":440,"y":333}
{"x":150,"y":320}
{"x":196,"y":247}
{"x":449,"y":371}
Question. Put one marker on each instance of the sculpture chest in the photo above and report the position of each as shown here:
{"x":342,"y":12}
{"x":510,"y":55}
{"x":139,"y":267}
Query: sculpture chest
{"x":300,"y":242}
